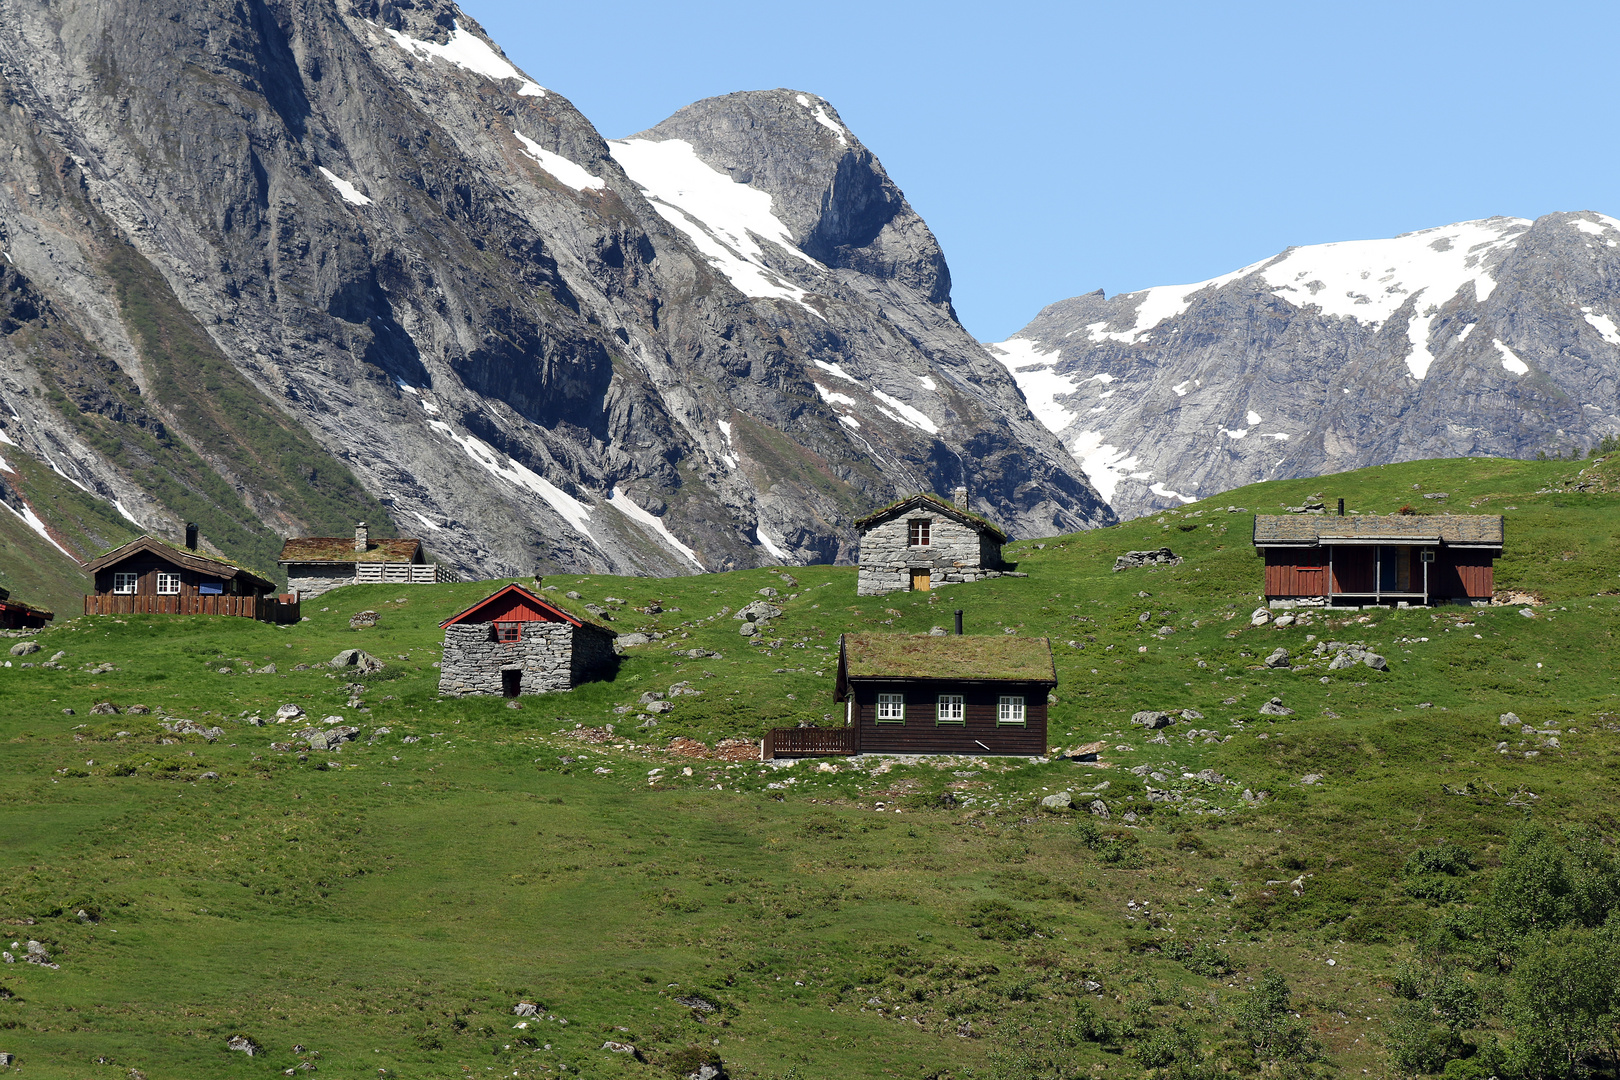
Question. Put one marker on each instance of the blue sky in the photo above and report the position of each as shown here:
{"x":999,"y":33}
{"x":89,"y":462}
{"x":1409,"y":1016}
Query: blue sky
{"x":1059,"y":148}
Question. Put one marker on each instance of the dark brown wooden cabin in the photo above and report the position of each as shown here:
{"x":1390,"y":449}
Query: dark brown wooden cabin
{"x":1402,"y":558}
{"x":921,"y":694}
{"x":148,"y":576}
{"x":16,"y":615}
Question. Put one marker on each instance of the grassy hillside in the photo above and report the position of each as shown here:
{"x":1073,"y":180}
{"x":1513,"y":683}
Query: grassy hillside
{"x":386,"y":905}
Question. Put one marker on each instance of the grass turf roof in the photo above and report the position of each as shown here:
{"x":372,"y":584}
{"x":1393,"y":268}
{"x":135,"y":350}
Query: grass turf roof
{"x":943,"y":505}
{"x":926,"y":656}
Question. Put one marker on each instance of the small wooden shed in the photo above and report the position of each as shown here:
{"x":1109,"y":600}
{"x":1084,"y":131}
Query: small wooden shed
{"x":513,"y":643}
{"x":922,"y":542}
{"x":953,"y":694}
{"x":16,"y":615}
{"x":148,"y":576}
{"x":1373,"y":559}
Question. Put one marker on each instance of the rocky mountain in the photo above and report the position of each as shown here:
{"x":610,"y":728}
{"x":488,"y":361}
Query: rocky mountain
{"x":277,"y":265}
{"x":1486,"y":337}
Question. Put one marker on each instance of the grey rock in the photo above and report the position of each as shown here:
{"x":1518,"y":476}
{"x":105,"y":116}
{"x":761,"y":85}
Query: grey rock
{"x":1508,"y":719}
{"x":1342,"y":661}
{"x":243,"y":1044}
{"x":1284,"y":620}
{"x":1259,"y":617}
{"x":626,"y":641}
{"x":1098,"y":808}
{"x":651,"y":696}
{"x":1135,"y":560}
{"x":758,"y":611}
{"x":25,"y":648}
{"x":1063,"y":800}
{"x":104,"y":708}
{"x":938,"y":631}
{"x":620,"y":1048}
{"x":191,"y":727}
{"x":289,"y":712}
{"x":708,"y":1071}
{"x":1275,"y":707}
{"x":748,"y":629}
{"x":525,"y":1008}
{"x":767,"y":591}
{"x":1153,"y":720}
{"x":698,"y":1002}
{"x":572,"y":595}
{"x":1191,"y":714}
{"x":357,"y":658}
{"x":1311,"y":778}
{"x":661,"y":707}
{"x":1376,"y":662}
{"x":1277,"y":659}
{"x":1527,"y":613}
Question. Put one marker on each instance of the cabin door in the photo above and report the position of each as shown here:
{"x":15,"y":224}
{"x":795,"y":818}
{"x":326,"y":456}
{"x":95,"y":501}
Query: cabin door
{"x":919,"y":581}
{"x":511,"y":683}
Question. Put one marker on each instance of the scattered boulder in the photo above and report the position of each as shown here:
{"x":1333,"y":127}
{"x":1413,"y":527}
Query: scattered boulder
{"x":1191,"y":714}
{"x":1376,"y":662}
{"x":1153,"y":720}
{"x":289,"y":712}
{"x":1310,"y":779}
{"x":1342,"y":661}
{"x":768,"y":591}
{"x":626,"y":641}
{"x":38,"y":955}
{"x":572,"y":595}
{"x":621,"y":1048}
{"x":104,"y":708}
{"x":244,"y":1044}
{"x":748,"y":629}
{"x":1275,"y":707}
{"x":1527,"y":613}
{"x":331,"y":738}
{"x":361,"y":619}
{"x":1508,"y":719}
{"x":1259,"y":617}
{"x":698,"y":1002}
{"x":191,"y":727}
{"x":1277,"y":659}
{"x":758,"y":611}
{"x":1284,"y":620}
{"x":525,"y":1008}
{"x":709,"y":1070}
{"x":139,"y":710}
{"x":357,"y":658}
{"x":660,"y":707}
{"x":25,"y":648}
{"x":1099,"y":808}
{"x":1061,"y":801}
{"x":937,"y":631}
{"x":1134,"y":560}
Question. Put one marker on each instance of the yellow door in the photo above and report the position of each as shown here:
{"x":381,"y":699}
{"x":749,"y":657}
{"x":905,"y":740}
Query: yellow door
{"x":919,"y":581}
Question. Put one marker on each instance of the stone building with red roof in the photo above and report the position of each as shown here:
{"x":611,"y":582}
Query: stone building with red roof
{"x":513,"y":643}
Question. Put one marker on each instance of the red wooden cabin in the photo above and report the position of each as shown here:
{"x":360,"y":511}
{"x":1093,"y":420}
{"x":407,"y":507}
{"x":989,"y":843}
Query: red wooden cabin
{"x":1402,"y":558}
{"x":16,"y":615}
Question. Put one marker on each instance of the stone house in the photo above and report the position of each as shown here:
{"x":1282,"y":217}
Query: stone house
{"x":922,"y":542}
{"x":514,"y":643}
{"x":318,"y":564}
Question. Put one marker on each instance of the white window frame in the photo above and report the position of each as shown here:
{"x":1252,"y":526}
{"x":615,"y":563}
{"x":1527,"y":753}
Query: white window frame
{"x":168,"y":584}
{"x":125,"y":583}
{"x":891,"y":708}
{"x":1010,"y":711}
{"x":950,"y":709}
{"x":924,"y":530}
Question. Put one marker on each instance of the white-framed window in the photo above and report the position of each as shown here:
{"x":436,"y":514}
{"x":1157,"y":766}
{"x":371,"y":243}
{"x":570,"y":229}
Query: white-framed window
{"x":1010,"y":710}
{"x":168,"y":584}
{"x":950,"y":710}
{"x":891,"y":708}
{"x":124,"y":584}
{"x":918,"y":533}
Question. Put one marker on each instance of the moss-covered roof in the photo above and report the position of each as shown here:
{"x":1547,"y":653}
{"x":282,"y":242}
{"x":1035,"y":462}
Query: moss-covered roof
{"x":1004,"y":657}
{"x":933,"y":502}
{"x":215,"y":565}
{"x":340,"y":549}
{"x":1432,"y":528}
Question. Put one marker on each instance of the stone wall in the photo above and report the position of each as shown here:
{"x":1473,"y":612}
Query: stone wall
{"x":956,"y":553}
{"x":593,"y":654}
{"x":311,"y":581}
{"x":473,"y":660}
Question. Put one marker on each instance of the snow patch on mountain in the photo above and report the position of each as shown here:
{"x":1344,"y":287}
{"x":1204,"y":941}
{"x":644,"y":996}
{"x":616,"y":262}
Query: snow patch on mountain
{"x":908,"y":414}
{"x":1035,"y":371}
{"x":1510,"y":360}
{"x":514,"y":472}
{"x":468,"y":51}
{"x":345,"y":189}
{"x":1603,"y":325}
{"x":1105,"y":465}
{"x":32,"y":520}
{"x":770,"y":545}
{"x":821,"y":117}
{"x":558,"y":166}
{"x":627,"y":506}
{"x":722,"y":218}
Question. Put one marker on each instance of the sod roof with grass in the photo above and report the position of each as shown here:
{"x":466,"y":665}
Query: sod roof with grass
{"x":1005,"y":658}
{"x":1481,"y":529}
{"x":924,"y":499}
{"x":340,"y":549}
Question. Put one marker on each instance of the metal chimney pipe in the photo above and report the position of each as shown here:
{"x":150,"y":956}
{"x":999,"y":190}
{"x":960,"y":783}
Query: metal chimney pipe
{"x":191,"y":535}
{"x":1341,"y":508}
{"x":958,"y":622}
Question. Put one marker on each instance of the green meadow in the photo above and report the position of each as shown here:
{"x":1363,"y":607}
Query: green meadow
{"x":1375,"y":878}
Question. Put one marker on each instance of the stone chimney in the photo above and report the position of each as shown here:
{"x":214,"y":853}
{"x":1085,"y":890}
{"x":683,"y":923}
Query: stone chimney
{"x":191,"y":535}
{"x":360,"y":536}
{"x":960,"y":495}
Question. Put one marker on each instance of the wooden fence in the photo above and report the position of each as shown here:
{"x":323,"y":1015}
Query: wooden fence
{"x":807,"y":742}
{"x":268,"y":609}
{"x":402,"y":573}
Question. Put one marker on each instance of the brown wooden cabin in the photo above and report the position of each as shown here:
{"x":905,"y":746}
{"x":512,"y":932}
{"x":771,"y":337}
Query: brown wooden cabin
{"x":16,"y":615}
{"x":148,"y":576}
{"x":1402,"y":558}
{"x":922,"y":694}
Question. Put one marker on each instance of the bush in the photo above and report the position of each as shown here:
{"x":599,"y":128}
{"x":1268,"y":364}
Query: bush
{"x":1450,"y":859}
{"x":997,"y":921}
{"x":1264,"y":1023}
{"x":1201,"y":959}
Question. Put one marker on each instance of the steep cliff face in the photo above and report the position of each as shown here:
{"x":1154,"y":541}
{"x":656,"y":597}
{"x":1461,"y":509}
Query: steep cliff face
{"x":272,"y":264}
{"x":1487,"y":337}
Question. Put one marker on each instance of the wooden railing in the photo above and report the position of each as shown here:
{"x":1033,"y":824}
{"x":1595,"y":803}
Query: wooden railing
{"x":263,"y":608}
{"x":402,"y":573}
{"x":807,"y":742}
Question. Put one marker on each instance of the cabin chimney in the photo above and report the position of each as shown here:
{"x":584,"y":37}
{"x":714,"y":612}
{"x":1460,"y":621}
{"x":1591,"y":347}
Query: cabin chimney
{"x":960,"y":496}
{"x":360,"y":536}
{"x":958,"y":622}
{"x":191,"y":536}
{"x":1341,"y":508}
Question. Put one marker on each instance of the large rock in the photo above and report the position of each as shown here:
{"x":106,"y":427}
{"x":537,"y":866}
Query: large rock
{"x":357,"y":658}
{"x":1275,"y":707}
{"x":25,"y":648}
{"x":1134,"y":560}
{"x":1153,"y":720}
{"x":758,"y":611}
{"x":1376,"y":662}
{"x":1063,"y":800}
{"x":1277,"y":659}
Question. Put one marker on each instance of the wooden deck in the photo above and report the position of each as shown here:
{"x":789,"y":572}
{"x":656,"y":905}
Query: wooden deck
{"x":268,"y":609}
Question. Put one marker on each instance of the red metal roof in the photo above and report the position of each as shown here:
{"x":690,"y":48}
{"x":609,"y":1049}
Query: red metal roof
{"x":514,"y":603}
